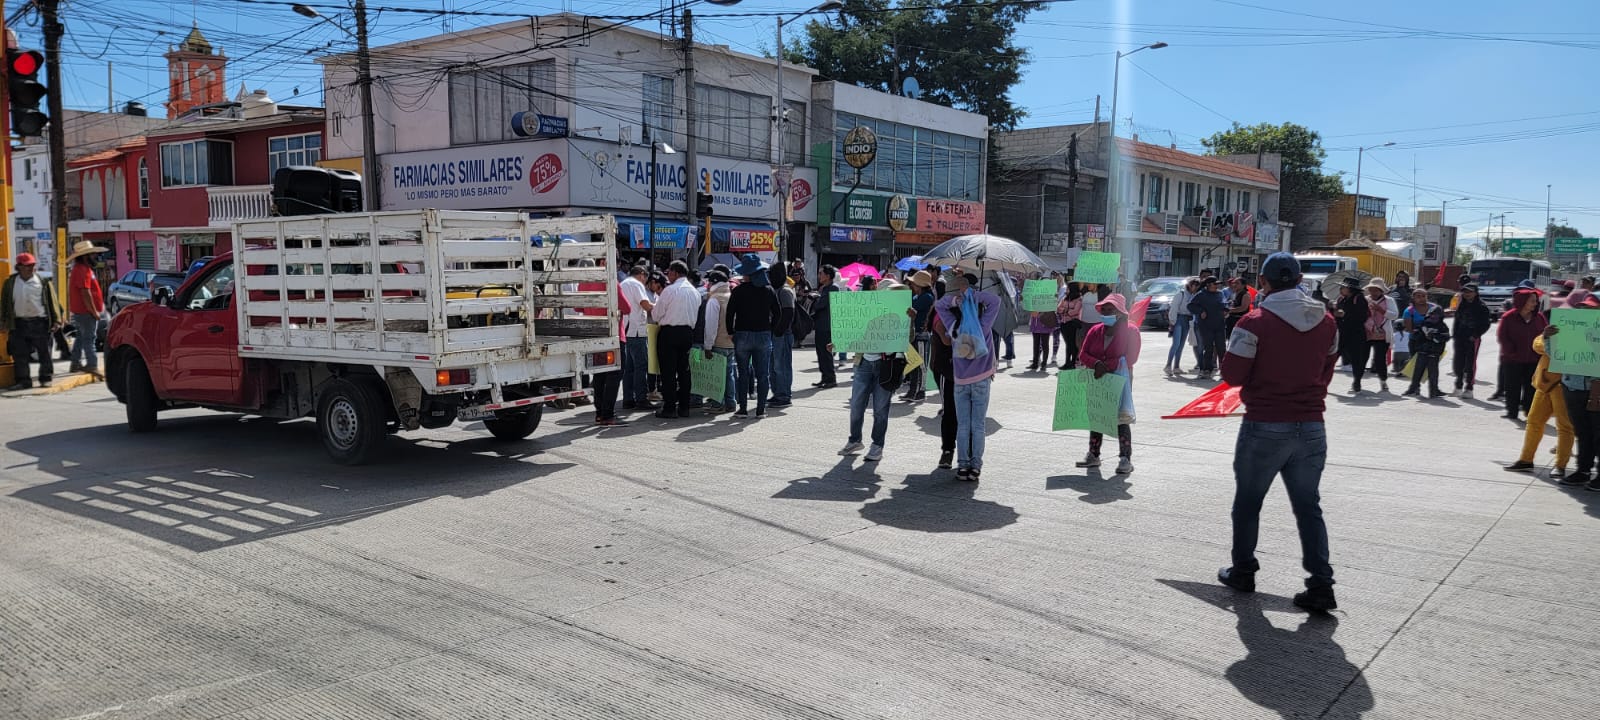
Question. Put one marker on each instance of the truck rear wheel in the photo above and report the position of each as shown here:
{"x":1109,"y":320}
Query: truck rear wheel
{"x":140,"y":399}
{"x":351,"y":419}
{"x":515,"y":425}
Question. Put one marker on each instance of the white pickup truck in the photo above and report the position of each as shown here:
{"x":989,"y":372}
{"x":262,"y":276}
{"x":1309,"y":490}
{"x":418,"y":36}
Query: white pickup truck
{"x":379,"y":322}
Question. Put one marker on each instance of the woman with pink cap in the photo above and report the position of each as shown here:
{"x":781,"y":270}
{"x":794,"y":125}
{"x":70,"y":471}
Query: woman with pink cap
{"x":1112,"y":346}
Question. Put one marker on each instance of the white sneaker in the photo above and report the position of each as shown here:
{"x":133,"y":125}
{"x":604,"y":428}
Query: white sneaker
{"x":875,"y":454}
{"x":1466,"y":394}
{"x":851,"y":448}
{"x":1089,"y":461}
{"x":1124,"y":466}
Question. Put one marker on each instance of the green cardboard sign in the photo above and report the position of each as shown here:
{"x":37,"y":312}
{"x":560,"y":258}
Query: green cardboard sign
{"x":708,"y":378}
{"x":929,"y":382}
{"x":1576,"y":349}
{"x":1084,"y":403}
{"x":1039,"y":296}
{"x":1097,"y":267}
{"x":871,"y":322}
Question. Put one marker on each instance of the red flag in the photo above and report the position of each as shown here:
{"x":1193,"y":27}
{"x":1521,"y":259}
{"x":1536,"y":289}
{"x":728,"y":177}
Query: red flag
{"x":1137,"y":312}
{"x":1438,"y":278}
{"x":1220,"y":401}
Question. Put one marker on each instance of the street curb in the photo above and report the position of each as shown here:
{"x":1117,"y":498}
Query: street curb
{"x":69,"y":382}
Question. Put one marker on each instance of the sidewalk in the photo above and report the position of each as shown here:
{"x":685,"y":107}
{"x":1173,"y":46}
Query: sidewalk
{"x":61,"y":381}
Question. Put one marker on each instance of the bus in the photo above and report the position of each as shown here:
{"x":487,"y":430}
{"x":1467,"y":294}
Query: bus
{"x":1498,"y":277}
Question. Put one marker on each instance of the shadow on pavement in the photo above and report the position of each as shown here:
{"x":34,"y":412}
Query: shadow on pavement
{"x":203,"y":483}
{"x":842,"y":483}
{"x":1299,"y":673}
{"x":929,"y":424}
{"x":1093,"y":487}
{"x":938,"y":503}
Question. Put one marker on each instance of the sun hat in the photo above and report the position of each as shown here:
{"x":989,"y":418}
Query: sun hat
{"x":750,"y":264}
{"x":923,"y":278}
{"x":1378,"y":283}
{"x":1115,"y":300}
{"x":84,"y":247}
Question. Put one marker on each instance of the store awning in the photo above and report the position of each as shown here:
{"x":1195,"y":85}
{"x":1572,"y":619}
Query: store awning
{"x":670,"y":234}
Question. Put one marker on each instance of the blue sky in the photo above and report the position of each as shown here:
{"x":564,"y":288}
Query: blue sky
{"x":1487,"y":100}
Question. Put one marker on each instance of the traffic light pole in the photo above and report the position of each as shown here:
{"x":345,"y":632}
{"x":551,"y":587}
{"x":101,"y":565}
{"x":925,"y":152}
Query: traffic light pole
{"x":49,"y":10}
{"x":7,"y":370}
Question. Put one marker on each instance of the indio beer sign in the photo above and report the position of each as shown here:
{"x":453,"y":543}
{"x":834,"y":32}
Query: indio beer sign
{"x":860,"y":147}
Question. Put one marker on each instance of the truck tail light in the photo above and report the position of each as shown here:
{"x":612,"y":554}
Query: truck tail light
{"x":603,"y":358}
{"x":446,"y":378}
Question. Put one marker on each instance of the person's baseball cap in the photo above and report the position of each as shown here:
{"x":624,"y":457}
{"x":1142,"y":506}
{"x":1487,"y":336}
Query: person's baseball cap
{"x":1280,"y":269}
{"x":26,"y":259}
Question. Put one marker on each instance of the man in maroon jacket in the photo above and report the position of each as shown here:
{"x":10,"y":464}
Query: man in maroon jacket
{"x":1281,"y":357}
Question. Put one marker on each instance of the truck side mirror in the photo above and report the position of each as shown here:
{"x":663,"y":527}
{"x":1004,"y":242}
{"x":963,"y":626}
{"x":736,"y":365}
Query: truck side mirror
{"x":162,"y":295}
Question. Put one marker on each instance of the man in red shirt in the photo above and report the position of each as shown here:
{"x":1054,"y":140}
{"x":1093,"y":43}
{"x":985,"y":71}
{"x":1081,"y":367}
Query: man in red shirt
{"x":1281,"y":357}
{"x":85,"y":302}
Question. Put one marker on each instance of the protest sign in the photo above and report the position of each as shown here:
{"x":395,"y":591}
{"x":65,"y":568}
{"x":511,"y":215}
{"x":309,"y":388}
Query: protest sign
{"x":1576,"y":349}
{"x":651,"y":332}
{"x":874,"y":321}
{"x":1039,"y":296}
{"x":1084,"y":403}
{"x":708,"y":378}
{"x":1097,"y":267}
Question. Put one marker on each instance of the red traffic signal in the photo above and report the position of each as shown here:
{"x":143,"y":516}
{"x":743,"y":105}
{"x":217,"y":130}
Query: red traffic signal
{"x":24,"y":63}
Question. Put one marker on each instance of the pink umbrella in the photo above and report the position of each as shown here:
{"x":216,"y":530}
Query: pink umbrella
{"x":853,"y":273}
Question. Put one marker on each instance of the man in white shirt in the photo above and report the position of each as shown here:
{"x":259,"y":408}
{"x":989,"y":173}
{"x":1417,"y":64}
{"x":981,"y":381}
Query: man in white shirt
{"x":635,"y":326}
{"x":28,"y":311}
{"x":675,"y":311}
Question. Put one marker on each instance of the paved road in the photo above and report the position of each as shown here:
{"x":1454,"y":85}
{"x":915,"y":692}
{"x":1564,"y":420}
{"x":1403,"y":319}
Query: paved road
{"x":222,"y":568}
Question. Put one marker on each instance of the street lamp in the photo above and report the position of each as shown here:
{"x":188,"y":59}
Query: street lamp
{"x":777,"y":126}
{"x":663,"y":147}
{"x":1111,"y":167}
{"x":1355,"y":205}
{"x":373,"y":201}
{"x":1490,"y":229}
{"x":1444,"y":207}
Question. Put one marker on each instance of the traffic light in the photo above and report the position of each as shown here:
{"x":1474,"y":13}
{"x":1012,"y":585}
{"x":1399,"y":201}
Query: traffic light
{"x":24,"y":91}
{"x":702,"y":205}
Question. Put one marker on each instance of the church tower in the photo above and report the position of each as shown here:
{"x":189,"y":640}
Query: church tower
{"x":196,"y":75}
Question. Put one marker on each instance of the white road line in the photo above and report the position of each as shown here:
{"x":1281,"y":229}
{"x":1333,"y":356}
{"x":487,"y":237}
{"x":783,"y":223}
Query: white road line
{"x":191,"y":512}
{"x":296,"y":510}
{"x":142,"y":500}
{"x":194,"y":486}
{"x":244,"y":498}
{"x":237,"y":524}
{"x":103,"y":490}
{"x":159,"y":479}
{"x":206,"y":533}
{"x":218,"y":504}
{"x":71,"y":496}
{"x":269,"y":517}
{"x":132,"y":484}
{"x":103,"y":505}
{"x":168,"y":493}
{"x":157,"y":519}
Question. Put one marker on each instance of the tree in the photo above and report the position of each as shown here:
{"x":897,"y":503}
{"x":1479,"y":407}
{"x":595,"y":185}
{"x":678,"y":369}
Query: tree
{"x":960,"y":51}
{"x":1463,"y":257}
{"x":1563,"y":231}
{"x":1302,"y":182}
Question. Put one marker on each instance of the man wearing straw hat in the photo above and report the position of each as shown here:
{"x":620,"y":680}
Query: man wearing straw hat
{"x":85,"y":302}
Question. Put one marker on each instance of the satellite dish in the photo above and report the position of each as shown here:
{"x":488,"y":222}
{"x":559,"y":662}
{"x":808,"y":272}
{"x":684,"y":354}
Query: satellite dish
{"x":911,"y":88}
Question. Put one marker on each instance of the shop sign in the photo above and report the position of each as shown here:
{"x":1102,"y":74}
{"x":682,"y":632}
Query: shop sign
{"x":1093,"y":237}
{"x":883,"y":211}
{"x":865,"y":209}
{"x":1267,"y":237}
{"x":860,"y":147}
{"x":167,"y":252}
{"x":200,"y":239}
{"x":1157,"y":252}
{"x":607,"y":176}
{"x":534,"y":125}
{"x":752,"y":241}
{"x":899,"y":212}
{"x":525,"y":174}
{"x":842,"y":234}
{"x":950,"y":217}
{"x":668,"y":236}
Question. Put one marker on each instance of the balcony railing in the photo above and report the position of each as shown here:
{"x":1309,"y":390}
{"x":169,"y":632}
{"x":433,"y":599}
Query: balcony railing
{"x":230,"y":203}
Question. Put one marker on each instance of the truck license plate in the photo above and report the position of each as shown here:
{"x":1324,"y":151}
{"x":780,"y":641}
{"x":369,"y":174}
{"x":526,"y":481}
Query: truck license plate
{"x":468,"y":414}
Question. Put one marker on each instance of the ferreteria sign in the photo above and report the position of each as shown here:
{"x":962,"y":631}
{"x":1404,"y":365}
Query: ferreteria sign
{"x":860,"y":147}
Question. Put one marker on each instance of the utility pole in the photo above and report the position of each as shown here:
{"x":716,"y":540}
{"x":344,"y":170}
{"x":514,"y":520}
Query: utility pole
{"x":690,"y":157}
{"x":7,"y":370}
{"x":369,"y":143}
{"x":1549,"y":236}
{"x":49,"y":11}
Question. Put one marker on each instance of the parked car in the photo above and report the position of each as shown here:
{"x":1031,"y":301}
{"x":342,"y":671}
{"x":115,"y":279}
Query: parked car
{"x":136,"y":287}
{"x":1161,"y":291}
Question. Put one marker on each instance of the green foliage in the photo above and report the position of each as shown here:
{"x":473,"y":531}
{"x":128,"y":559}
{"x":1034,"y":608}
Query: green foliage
{"x":1301,"y":147}
{"x":1561,"y":231}
{"x":960,"y":51}
{"x":1463,"y":257}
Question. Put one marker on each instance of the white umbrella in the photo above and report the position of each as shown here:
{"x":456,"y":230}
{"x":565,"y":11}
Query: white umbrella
{"x":985,"y":252}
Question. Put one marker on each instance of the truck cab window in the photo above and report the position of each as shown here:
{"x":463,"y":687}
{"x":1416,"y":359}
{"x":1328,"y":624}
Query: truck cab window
{"x":213,"y":292}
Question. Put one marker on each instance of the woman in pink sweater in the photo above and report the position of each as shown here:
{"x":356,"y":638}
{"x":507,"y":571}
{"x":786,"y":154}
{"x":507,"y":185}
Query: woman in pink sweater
{"x":1112,"y":346}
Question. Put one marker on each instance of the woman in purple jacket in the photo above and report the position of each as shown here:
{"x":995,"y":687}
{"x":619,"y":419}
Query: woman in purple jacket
{"x":973,"y":360}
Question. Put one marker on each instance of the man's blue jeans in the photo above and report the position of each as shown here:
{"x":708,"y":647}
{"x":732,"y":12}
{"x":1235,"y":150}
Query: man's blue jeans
{"x":864,"y":388}
{"x":1298,"y":452}
{"x":783,"y":367}
{"x":753,"y":352}
{"x":635,"y":365}
{"x":972,"y":415}
{"x":732,"y":382}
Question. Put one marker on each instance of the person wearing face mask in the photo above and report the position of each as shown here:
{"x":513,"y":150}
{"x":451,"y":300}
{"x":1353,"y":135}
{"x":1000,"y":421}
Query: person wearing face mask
{"x":970,"y":313}
{"x":1112,"y":346}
